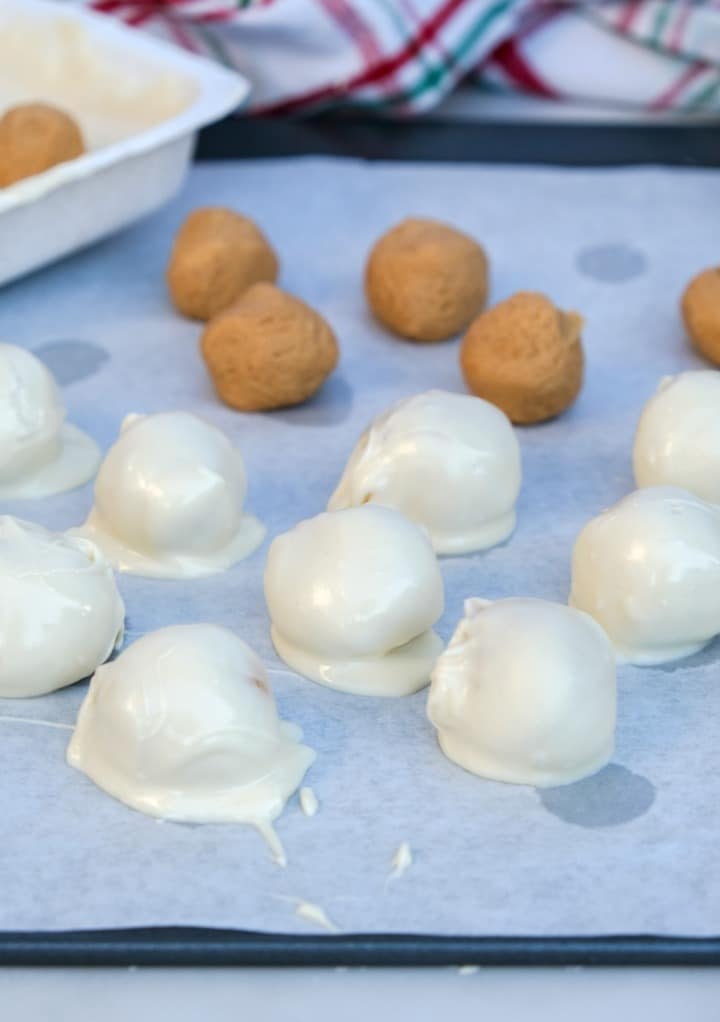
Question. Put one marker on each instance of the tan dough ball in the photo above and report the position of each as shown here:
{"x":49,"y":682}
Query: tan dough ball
{"x":35,"y":137}
{"x":218,"y":254}
{"x":525,"y":356}
{"x":701,"y":312}
{"x":268,"y":350}
{"x":425,"y":280}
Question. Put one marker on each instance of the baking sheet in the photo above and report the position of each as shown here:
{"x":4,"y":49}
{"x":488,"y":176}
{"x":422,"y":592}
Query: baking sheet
{"x":632,"y":850}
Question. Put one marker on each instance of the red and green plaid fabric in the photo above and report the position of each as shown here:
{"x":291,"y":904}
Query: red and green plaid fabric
{"x":406,"y":55}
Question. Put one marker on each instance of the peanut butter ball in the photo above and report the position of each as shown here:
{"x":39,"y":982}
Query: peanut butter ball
{"x":525,"y":356}
{"x":425,"y":280}
{"x":35,"y":137}
{"x":268,"y":350}
{"x":701,"y":312}
{"x":218,"y":254}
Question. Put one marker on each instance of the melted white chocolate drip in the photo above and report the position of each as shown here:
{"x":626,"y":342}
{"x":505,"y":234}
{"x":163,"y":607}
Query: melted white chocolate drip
{"x":315,"y":914}
{"x":308,"y":802}
{"x":402,"y":860}
{"x":397,"y":672}
{"x":183,"y":726}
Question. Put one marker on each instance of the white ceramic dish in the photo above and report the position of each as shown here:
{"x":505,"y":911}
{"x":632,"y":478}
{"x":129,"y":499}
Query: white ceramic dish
{"x":139,"y":102}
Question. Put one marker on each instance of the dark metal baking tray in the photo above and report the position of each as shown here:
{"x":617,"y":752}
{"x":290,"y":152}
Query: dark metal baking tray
{"x":562,"y":144}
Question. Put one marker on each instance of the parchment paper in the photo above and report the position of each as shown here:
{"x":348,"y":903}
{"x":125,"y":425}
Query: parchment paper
{"x":633,"y":850}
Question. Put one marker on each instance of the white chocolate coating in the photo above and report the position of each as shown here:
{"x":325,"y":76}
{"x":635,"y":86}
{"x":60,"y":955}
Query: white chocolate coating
{"x":353,"y":596}
{"x":169,"y":499}
{"x":40,"y":454}
{"x":450,"y":462}
{"x":183,"y":726}
{"x":526,"y":693}
{"x":678,"y":437}
{"x":60,"y":612}
{"x":648,"y":569}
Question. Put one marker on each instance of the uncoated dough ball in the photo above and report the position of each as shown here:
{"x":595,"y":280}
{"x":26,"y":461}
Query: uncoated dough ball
{"x":218,"y":254}
{"x":35,"y":137}
{"x":268,"y":350}
{"x":426,"y":280}
{"x":701,"y":312}
{"x":525,"y":356}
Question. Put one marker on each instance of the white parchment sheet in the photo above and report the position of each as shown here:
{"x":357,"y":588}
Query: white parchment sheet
{"x":633,"y":850}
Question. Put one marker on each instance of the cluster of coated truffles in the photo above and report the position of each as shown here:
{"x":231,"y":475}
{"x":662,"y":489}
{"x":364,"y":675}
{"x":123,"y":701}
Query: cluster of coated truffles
{"x":183,"y":724}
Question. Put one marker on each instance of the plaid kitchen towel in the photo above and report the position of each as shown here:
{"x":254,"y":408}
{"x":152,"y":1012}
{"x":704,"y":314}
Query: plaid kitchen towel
{"x":406,"y":55}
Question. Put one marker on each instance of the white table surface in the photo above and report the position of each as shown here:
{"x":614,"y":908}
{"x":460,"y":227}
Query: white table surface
{"x":359,"y":995}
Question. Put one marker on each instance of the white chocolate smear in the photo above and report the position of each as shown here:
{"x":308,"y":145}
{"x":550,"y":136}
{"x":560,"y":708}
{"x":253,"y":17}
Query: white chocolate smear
{"x":648,"y":569}
{"x":539,"y":711}
{"x":450,"y":462}
{"x":183,"y":726}
{"x":308,"y":801}
{"x":366,"y":590}
{"x":312,"y":913}
{"x":40,"y":454}
{"x":169,"y":499}
{"x":401,"y":860}
{"x":61,"y":615}
{"x":36,"y":721}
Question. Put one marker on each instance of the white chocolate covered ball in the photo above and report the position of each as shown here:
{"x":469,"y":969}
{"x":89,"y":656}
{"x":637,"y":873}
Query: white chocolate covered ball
{"x":169,"y":499}
{"x":60,"y":612}
{"x":678,"y":438}
{"x":40,"y":454}
{"x":648,"y":569}
{"x":183,"y":725}
{"x":525,"y":693}
{"x":450,"y":462}
{"x":353,"y":596}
